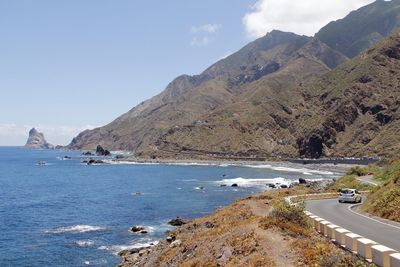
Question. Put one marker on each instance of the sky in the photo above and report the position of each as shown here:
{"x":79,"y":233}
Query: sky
{"x":72,"y":65}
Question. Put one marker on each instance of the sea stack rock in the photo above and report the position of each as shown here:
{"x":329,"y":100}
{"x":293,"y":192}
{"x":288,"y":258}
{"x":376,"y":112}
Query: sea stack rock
{"x":100,"y":151}
{"x":36,"y":140}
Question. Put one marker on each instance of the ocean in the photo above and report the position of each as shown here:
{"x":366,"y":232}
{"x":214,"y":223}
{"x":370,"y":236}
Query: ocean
{"x":67,"y":213}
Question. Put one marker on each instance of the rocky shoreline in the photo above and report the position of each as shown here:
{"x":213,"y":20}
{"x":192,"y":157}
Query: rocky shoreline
{"x":236,"y":235}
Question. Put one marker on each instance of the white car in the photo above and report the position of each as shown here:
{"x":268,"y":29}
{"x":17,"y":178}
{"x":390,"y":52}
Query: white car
{"x":349,"y":195}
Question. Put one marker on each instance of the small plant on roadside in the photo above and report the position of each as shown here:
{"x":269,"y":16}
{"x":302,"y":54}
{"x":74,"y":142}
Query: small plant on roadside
{"x":289,"y":219}
{"x":357,"y":170}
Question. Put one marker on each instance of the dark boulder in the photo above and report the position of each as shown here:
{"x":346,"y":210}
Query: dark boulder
{"x":128,"y":252}
{"x":177,"y":222}
{"x":137,"y":228}
{"x":87,"y":153}
{"x":95,"y":161}
{"x":100,"y":151}
{"x":209,"y":225}
{"x":235,"y":185}
{"x":302,"y":181}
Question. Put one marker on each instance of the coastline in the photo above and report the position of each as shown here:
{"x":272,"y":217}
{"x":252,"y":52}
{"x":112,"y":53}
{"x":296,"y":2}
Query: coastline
{"x":239,"y":234}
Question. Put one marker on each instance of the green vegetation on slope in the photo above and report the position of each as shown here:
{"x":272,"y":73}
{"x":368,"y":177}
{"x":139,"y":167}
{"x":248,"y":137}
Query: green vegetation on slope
{"x":384,"y":201}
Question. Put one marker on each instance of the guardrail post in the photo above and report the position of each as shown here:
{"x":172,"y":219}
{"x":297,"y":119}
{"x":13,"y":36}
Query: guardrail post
{"x":322,"y":227}
{"x":331,"y":230}
{"x":364,"y":247}
{"x":340,"y":237}
{"x":394,"y":260}
{"x":351,"y":241}
{"x":380,"y":255}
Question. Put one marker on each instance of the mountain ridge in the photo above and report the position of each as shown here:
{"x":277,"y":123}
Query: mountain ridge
{"x":259,"y":89}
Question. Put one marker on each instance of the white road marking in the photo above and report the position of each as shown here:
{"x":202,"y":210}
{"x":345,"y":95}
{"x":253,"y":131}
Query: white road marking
{"x":387,"y":224}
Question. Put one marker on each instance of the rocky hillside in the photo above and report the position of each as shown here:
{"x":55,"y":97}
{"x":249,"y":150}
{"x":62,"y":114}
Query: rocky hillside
{"x":36,"y":140}
{"x":269,"y":99}
{"x":354,"y":110}
{"x":350,"y":111}
{"x":188,"y":98}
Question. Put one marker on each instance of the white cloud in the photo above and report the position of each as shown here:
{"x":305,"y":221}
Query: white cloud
{"x":14,"y":134}
{"x":302,"y":17}
{"x":206,"y":28}
{"x":203,"y":35}
{"x":200,"y":41}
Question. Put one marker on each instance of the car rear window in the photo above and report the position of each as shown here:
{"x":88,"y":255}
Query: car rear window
{"x":346,"y":191}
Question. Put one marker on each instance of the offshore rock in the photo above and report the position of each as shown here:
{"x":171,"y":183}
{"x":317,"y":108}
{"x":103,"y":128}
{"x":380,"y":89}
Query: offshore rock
{"x":36,"y":140}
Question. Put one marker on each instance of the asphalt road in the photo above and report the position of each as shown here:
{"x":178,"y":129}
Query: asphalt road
{"x":340,"y":214}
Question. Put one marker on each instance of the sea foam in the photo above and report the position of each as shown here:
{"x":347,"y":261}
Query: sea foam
{"x":254,"y":182}
{"x":115,"y":249}
{"x":75,"y":229}
{"x":304,"y":171}
{"x":84,"y":243}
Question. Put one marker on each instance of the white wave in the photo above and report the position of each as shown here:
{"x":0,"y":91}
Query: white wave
{"x":75,"y":229}
{"x":84,"y":243}
{"x":121,"y":152}
{"x":304,"y":171}
{"x":115,"y":249}
{"x":200,"y":188}
{"x":95,"y":262}
{"x":251,"y":182}
{"x":114,"y":162}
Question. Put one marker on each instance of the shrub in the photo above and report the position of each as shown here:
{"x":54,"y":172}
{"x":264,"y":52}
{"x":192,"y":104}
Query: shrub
{"x":290,"y":219}
{"x":357,"y":170}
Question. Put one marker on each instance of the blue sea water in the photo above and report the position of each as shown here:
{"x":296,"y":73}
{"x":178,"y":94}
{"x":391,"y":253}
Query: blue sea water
{"x":67,"y":213}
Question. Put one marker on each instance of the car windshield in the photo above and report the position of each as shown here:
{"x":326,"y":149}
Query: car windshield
{"x":346,"y":191}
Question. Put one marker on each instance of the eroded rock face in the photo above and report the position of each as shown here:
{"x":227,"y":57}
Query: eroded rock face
{"x":36,"y":140}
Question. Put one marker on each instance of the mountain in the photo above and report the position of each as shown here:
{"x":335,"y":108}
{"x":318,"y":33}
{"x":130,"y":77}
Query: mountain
{"x":354,"y":109}
{"x":363,"y":28}
{"x":254,"y":103}
{"x":36,"y":140}
{"x":188,"y":98}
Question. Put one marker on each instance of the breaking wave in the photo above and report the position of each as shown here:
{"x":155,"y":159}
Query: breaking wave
{"x":75,"y":229}
{"x":115,"y":249}
{"x":254,"y":182}
{"x":304,"y":171}
{"x":84,"y":243}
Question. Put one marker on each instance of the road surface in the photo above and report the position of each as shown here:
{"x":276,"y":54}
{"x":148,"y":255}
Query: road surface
{"x":341,"y":214}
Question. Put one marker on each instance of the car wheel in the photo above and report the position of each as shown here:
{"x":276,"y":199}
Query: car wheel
{"x":340,"y":201}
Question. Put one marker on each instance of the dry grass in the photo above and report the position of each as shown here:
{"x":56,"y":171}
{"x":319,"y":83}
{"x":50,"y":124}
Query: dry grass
{"x":289,"y":219}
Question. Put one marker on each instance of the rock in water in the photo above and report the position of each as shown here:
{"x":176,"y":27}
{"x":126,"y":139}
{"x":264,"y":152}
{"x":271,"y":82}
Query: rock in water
{"x":100,"y":151}
{"x":36,"y":140}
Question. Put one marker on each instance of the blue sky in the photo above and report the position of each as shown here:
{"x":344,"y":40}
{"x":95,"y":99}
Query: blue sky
{"x":69,"y":65}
